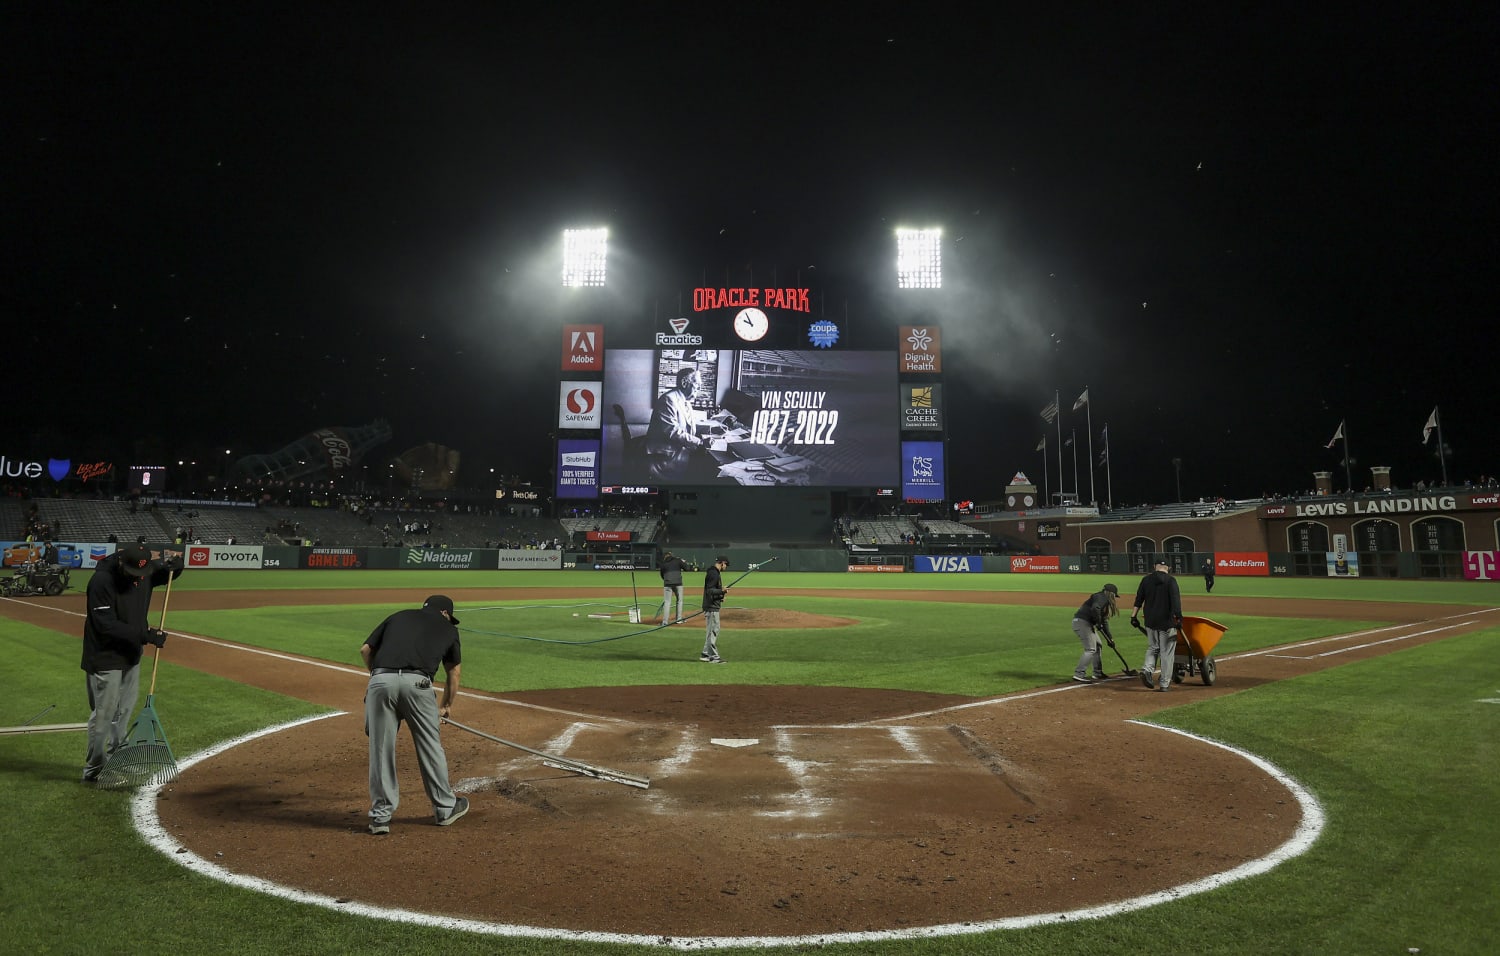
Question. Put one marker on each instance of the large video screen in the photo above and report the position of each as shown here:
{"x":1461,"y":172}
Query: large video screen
{"x":756,"y":418}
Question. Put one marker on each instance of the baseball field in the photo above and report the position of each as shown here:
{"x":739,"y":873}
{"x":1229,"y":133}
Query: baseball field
{"x":885,"y":764}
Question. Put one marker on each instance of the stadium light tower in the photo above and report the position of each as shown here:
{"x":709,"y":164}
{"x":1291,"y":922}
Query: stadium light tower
{"x":919,"y":258}
{"x":584,"y":253}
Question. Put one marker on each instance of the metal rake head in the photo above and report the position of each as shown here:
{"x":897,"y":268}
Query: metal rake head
{"x":138,"y":765}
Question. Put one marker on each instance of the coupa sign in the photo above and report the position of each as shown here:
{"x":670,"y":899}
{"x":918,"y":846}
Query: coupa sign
{"x":949,"y":563}
{"x":224,"y":556}
{"x":439,"y":558}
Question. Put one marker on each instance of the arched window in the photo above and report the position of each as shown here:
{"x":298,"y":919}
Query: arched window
{"x":1438,"y":541}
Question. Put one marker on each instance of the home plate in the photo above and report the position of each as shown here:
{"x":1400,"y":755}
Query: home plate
{"x":734,"y":741}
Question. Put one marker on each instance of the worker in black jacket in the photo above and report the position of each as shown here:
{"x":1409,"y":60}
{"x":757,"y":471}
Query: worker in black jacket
{"x":115,"y":630}
{"x":1159,"y":601}
{"x":1091,"y":618}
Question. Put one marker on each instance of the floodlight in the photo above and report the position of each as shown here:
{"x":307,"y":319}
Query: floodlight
{"x":919,"y":258}
{"x":583,"y":257}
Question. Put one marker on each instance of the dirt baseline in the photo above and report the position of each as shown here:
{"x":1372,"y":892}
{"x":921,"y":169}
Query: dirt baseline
{"x":772,"y":811}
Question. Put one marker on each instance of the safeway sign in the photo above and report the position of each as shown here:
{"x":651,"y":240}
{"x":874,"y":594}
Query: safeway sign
{"x":224,"y":556}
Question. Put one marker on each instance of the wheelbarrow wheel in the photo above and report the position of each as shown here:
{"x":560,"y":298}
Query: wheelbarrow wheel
{"x":1210,"y":671}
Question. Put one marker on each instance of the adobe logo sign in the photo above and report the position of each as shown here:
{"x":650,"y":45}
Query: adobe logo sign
{"x":583,"y":348}
{"x":578,"y":405}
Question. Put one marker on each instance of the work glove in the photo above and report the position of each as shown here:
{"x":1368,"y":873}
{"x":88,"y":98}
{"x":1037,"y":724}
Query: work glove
{"x":156,"y":636}
{"x":1135,"y":623}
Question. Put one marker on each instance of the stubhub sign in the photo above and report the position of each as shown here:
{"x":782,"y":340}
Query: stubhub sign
{"x":949,"y":563}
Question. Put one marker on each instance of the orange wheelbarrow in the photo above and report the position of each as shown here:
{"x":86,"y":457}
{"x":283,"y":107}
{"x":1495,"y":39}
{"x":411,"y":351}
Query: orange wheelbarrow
{"x":1196,"y":641}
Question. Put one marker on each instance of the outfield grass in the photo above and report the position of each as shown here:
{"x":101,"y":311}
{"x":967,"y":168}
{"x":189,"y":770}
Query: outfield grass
{"x":1400,"y":750}
{"x":646,"y":585}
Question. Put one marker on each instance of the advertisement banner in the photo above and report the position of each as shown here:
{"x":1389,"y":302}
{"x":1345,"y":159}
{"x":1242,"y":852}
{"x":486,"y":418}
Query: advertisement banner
{"x":530,"y":560}
{"x":922,"y":407}
{"x":332,"y":558}
{"x":224,"y":556}
{"x":607,"y":535}
{"x":896,"y":568}
{"x":1342,"y":564}
{"x":921,"y":348}
{"x":578,"y":405}
{"x":70,"y":554}
{"x":610,"y":562}
{"x":441,"y":559}
{"x":922,"y":470}
{"x":1482,"y":565}
{"x":948,"y":563}
{"x":583,"y":348}
{"x":1242,"y":563}
{"x":577,"y":468}
{"x":1035,"y":564}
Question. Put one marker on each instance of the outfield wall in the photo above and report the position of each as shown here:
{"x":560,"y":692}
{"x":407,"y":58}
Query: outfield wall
{"x":1471,"y":565}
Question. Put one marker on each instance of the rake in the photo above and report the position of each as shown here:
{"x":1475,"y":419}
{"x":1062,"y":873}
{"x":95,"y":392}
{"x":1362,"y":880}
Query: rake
{"x":145,"y":758}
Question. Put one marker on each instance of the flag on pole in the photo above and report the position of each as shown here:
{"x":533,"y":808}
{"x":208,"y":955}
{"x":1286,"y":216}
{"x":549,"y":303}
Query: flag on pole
{"x":1050,"y":412}
{"x":1042,"y":445}
{"x":1082,"y":400}
{"x":1104,"y":455}
{"x":1336,"y":435}
{"x":1432,"y":423}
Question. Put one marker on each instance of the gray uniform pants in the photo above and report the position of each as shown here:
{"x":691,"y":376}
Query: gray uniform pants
{"x":112,"y":697}
{"x":1161,"y":649}
{"x":668,"y":592}
{"x":711,"y":634}
{"x":1091,"y":655}
{"x":390,"y":699}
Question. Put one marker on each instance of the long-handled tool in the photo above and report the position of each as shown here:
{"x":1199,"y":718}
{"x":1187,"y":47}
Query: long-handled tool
{"x":146,"y":757}
{"x":1129,"y":671}
{"x":32,"y":727}
{"x":563,"y":763}
{"x":753,"y":568}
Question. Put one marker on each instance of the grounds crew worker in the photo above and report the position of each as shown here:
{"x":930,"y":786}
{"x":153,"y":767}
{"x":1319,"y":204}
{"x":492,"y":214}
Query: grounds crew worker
{"x":1093,"y":616}
{"x":114,"y":634}
{"x":671,"y":587}
{"x":1158,"y":599}
{"x":403,"y":654}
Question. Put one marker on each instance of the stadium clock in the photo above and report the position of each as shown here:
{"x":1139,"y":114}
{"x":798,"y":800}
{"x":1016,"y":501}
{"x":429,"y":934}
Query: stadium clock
{"x":751,"y":325}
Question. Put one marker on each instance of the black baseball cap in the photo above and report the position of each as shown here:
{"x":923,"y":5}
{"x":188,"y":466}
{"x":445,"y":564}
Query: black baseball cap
{"x":1112,"y":589}
{"x":134,"y":560}
{"x":721,"y":559}
{"x":442,"y":602}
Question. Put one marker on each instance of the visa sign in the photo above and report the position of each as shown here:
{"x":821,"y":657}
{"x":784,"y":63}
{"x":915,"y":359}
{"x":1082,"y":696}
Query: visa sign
{"x":949,"y":563}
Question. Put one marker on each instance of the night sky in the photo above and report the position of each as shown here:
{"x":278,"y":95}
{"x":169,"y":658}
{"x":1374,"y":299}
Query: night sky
{"x":225,"y":228}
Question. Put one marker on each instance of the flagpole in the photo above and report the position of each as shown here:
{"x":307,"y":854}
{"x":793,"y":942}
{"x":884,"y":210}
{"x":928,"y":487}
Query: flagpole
{"x":1073,"y":440}
{"x":1348,"y":481}
{"x":1442,"y":451}
{"x":1046,"y":478}
{"x":1057,"y":402}
{"x":1108,"y":473}
{"x":1089,"y":410}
